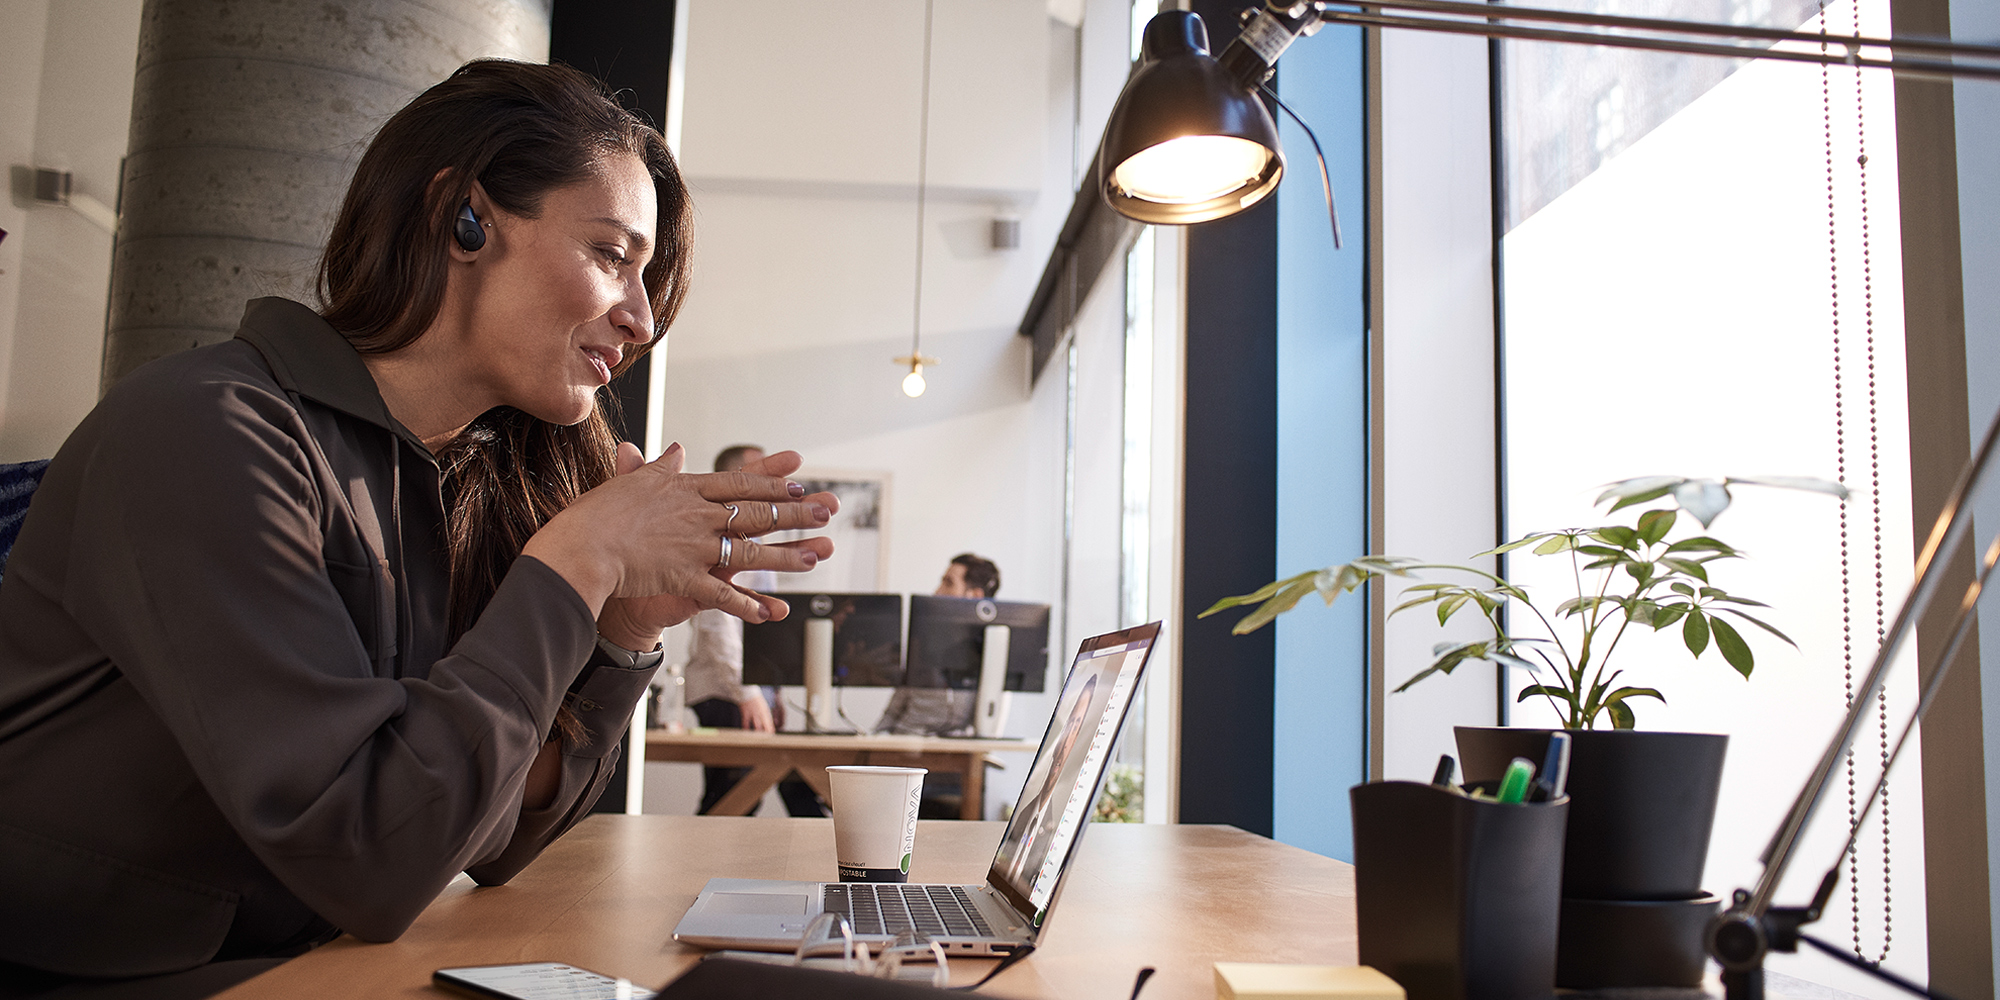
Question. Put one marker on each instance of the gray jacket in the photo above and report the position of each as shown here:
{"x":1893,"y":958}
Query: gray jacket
{"x":229,"y":724}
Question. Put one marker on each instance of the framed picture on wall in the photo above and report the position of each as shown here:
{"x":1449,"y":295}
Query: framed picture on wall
{"x":859,"y":531}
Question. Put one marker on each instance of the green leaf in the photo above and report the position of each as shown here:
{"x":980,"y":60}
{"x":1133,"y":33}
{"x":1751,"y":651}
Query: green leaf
{"x":1450,"y":605}
{"x":1519,"y":543}
{"x":1795,"y":483}
{"x":1734,"y":649}
{"x":1682,"y":589}
{"x":1654,"y":525}
{"x":1261,"y":594}
{"x":1667,"y":615}
{"x":1760,"y":623}
{"x":1546,"y":690}
{"x":1685,"y":567}
{"x":1449,"y":655}
{"x":1601,"y":550}
{"x":1636,"y":499}
{"x":1640,"y":571}
{"x":1706,"y":499}
{"x":1554,"y":544}
{"x":1639,"y":490}
{"x":1616,"y":534}
{"x":1633,"y":692}
{"x":1720,"y":596}
{"x":1695,"y":633}
{"x":1416,"y":602}
{"x":1621,"y":715}
{"x":1641,"y":612}
{"x":1285,"y":600}
{"x":1701,"y":543}
{"x":1515,"y":661}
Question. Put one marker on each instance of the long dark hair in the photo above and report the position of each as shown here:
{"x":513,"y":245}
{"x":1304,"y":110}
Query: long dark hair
{"x":520,"y":130}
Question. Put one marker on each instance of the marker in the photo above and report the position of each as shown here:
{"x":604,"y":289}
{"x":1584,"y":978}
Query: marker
{"x":1555,"y":769}
{"x":1514,"y":786}
{"x":1446,"y":766}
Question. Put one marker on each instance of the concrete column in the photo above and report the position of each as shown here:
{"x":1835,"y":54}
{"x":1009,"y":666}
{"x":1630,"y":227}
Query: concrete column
{"x":247,"y":120}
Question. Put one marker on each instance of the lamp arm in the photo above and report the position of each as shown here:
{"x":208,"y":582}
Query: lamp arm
{"x":1953,"y":523}
{"x":1947,"y":58}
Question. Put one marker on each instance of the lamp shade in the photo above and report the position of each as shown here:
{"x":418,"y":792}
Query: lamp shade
{"x":1187,"y":141}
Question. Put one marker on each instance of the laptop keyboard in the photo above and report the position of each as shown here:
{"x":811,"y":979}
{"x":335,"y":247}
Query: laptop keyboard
{"x":889,"y":907}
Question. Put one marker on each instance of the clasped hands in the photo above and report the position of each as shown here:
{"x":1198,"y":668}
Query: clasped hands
{"x":643,"y":549}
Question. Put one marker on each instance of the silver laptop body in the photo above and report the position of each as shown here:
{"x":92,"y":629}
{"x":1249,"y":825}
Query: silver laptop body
{"x":1027,"y":871}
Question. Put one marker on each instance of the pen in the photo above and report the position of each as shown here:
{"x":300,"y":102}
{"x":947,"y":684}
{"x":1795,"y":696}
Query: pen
{"x":1442,"y":776}
{"x":1555,"y":769}
{"x":1514,"y":786}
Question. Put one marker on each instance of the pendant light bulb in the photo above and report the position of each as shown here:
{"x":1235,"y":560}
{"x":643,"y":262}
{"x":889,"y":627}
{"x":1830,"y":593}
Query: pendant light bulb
{"x":913,"y":383}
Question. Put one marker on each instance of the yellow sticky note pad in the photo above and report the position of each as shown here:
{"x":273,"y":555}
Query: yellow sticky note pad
{"x":1253,"y":981}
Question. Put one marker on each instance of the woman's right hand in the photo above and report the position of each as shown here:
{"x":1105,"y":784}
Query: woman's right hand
{"x":657,"y":531}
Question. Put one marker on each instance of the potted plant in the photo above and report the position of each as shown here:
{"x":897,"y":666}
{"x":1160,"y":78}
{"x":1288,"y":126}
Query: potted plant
{"x":1642,"y":803}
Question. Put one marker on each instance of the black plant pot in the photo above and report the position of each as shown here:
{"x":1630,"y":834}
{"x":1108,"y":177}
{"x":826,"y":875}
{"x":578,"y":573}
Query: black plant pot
{"x":1641,"y":805}
{"x":1641,"y":808}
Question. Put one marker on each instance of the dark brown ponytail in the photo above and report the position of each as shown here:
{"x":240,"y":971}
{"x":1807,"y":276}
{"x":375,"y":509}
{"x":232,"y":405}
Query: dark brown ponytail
{"x":521,"y":130}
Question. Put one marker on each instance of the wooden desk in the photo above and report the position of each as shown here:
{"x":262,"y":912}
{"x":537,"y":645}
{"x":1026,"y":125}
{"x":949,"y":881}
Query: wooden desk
{"x":771,"y":756}
{"x":607,"y":897}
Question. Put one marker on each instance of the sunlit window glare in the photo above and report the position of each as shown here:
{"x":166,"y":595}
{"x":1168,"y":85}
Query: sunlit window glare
{"x":913,"y":383}
{"x":1191,"y":169}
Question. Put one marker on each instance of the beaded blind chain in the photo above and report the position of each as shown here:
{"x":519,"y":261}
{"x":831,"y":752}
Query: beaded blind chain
{"x":1874,"y":474}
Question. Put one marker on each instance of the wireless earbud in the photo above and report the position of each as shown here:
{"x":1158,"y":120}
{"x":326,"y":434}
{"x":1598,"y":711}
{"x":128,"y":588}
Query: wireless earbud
{"x":467,"y":230}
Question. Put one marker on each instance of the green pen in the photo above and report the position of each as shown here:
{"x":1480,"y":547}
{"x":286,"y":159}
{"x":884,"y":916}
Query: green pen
{"x":1514,"y":786}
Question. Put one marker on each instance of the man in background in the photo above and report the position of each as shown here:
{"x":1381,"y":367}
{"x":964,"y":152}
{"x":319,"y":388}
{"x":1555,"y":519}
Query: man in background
{"x":715,"y":688}
{"x":926,"y":711}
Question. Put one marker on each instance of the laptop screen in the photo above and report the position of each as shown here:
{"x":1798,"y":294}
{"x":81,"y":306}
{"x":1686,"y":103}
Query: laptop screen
{"x":1060,"y":788}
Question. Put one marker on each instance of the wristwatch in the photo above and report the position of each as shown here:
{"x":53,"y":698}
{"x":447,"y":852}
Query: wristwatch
{"x":631,"y":659}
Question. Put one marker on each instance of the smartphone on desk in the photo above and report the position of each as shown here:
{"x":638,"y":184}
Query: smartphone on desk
{"x":538,"y":981}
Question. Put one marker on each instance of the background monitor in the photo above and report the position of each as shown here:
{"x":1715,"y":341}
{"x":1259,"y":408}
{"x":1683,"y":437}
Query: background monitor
{"x":948,"y":639}
{"x":867,"y":640}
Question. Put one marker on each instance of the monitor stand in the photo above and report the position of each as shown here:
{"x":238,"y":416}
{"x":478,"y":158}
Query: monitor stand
{"x":820,"y":713}
{"x":989,"y":712}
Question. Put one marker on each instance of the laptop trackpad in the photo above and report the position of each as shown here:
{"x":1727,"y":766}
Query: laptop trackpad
{"x":784,"y":904}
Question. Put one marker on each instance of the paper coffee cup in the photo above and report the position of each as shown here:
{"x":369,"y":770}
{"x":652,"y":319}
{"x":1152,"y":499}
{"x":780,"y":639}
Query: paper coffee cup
{"x":875,"y":821}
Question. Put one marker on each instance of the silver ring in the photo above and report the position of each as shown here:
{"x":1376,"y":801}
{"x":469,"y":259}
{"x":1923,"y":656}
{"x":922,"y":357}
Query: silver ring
{"x":725,"y":553}
{"x":774,"y":517}
{"x":726,"y":529}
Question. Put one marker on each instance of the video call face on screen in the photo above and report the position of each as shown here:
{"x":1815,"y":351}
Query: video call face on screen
{"x":1064,"y":775}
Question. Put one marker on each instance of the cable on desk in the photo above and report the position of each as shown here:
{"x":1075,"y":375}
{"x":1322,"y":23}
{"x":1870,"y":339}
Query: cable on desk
{"x":1019,"y":953}
{"x":1140,"y":983}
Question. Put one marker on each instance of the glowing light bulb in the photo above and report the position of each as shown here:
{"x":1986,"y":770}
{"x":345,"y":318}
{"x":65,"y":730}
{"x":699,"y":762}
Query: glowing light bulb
{"x":913,"y":383}
{"x":1191,"y":169}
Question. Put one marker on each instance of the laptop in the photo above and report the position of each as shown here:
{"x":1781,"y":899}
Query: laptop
{"x":1027,"y":871}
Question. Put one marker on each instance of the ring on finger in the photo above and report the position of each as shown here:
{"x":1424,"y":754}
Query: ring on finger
{"x":724,"y":561}
{"x":774,"y":517}
{"x":726,"y":525}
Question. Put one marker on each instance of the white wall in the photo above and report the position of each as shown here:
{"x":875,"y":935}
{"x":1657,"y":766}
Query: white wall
{"x":65,"y":103}
{"x":1437,"y":462}
{"x":802,"y":152}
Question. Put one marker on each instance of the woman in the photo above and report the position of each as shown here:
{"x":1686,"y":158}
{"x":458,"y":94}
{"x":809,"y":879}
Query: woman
{"x":304,"y":624}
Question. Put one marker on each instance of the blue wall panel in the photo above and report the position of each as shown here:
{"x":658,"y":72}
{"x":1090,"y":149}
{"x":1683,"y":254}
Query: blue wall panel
{"x":1320,"y":709}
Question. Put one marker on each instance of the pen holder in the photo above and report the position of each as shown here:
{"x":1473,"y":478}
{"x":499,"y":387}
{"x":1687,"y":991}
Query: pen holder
{"x":1458,"y":898}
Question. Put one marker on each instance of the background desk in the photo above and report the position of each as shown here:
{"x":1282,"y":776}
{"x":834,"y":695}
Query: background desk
{"x":607,"y":897}
{"x":771,"y":756}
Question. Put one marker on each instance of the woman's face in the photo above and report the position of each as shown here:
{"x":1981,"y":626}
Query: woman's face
{"x":555,"y":301}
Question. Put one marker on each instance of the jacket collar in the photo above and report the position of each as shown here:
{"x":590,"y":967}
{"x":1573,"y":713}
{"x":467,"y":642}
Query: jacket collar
{"x":312,"y":359}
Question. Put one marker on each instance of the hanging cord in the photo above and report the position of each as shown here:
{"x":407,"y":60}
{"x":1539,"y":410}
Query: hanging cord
{"x":923,"y":177}
{"x":1874,"y":479}
{"x":1325,"y":180}
{"x":1874,"y":493}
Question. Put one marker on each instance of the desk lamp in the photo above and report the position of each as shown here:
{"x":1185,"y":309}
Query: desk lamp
{"x":1189,"y":141}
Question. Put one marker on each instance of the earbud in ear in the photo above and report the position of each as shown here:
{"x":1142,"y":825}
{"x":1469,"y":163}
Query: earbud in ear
{"x":467,"y":230}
